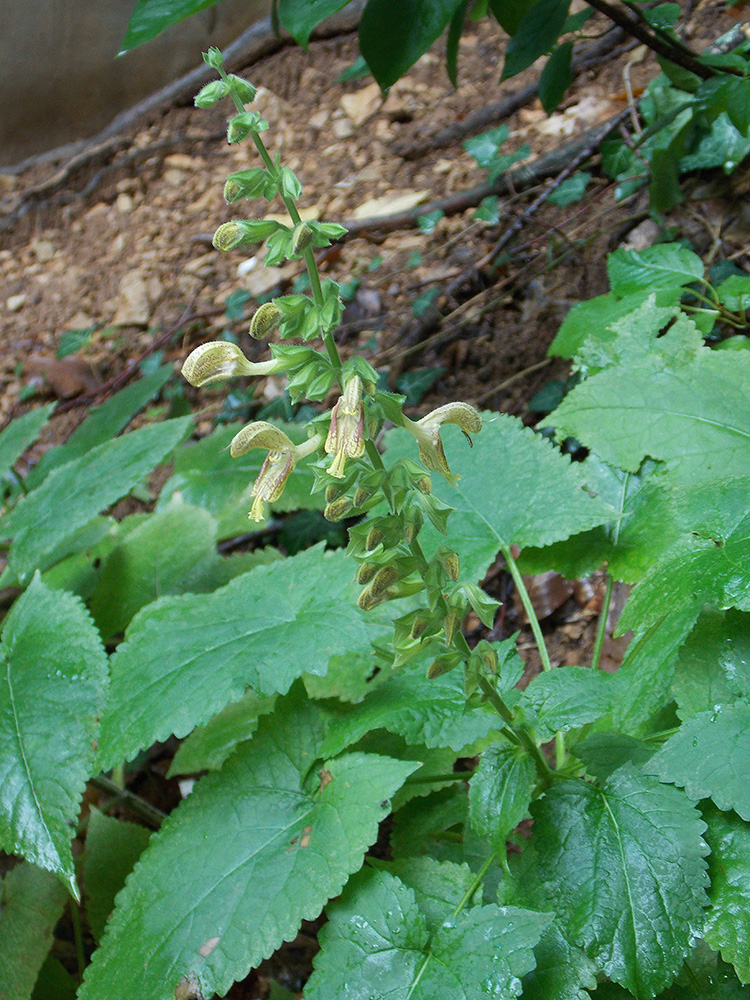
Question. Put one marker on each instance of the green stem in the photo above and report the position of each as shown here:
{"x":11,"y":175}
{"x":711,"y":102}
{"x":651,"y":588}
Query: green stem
{"x":75,"y":916}
{"x":520,"y":735}
{"x":21,"y":484}
{"x":478,"y":878}
{"x":528,"y":608}
{"x":601,"y":630}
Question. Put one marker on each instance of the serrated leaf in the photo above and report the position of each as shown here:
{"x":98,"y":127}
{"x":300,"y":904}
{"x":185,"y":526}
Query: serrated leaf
{"x":377,"y":943}
{"x":31,"y":903}
{"x":537,"y":32}
{"x":567,"y":698}
{"x":186,"y":657}
{"x":438,"y":886}
{"x":500,"y":793}
{"x":728,"y":919}
{"x":53,"y":690}
{"x":83,"y":488}
{"x":660,"y":266}
{"x":694,"y":416}
{"x":112,"y":848}
{"x":562,"y":970}
{"x":416,"y":824}
{"x":623,"y":865}
{"x":714,"y":663}
{"x":604,"y":753}
{"x":286,"y":845}
{"x":708,"y":757}
{"x":507,"y":479}
{"x":20,"y":434}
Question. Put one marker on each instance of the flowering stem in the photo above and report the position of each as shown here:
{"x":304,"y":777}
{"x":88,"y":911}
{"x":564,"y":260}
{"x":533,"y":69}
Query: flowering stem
{"x":528,"y":607}
{"x":522,"y":737}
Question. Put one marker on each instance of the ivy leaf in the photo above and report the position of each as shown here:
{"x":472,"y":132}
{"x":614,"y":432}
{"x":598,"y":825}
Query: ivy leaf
{"x":82,"y":488}
{"x":623,"y":864}
{"x":500,"y":793}
{"x":377,"y":942}
{"x":661,"y":266}
{"x":509,"y":476}
{"x":708,"y":757}
{"x":185,"y":657}
{"x":20,"y":434}
{"x":287,"y":844}
{"x":567,"y":698}
{"x":31,"y":903}
{"x":728,"y":920}
{"x":53,"y":690}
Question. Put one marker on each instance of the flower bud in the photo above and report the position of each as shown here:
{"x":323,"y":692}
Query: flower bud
{"x":361,"y":496}
{"x":245,"y":91}
{"x":301,"y":238}
{"x":331,"y":493}
{"x":442,"y":665}
{"x":265,"y":318}
{"x":367,"y":600}
{"x":452,"y":624}
{"x":383,"y":579}
{"x":338,"y":509}
{"x":218,"y":360}
{"x":228,"y":236}
{"x":213,"y":58}
{"x":211,"y":94}
{"x":365,"y":573}
{"x":232,"y":190}
{"x":413,"y":521}
{"x":419,"y":627}
{"x":451,"y":565}
{"x":424,"y":484}
{"x":374,"y":537}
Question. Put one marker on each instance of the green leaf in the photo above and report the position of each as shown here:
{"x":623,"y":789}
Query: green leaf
{"x":102,"y":423}
{"x":507,"y":479}
{"x":714,"y":663}
{"x":186,"y":657}
{"x":538,"y":31}
{"x":376,"y":942}
{"x":112,"y":848}
{"x":438,"y":886}
{"x":554,"y":80}
{"x":623,"y":865}
{"x":55,"y":676}
{"x":510,"y":13}
{"x":455,"y":29}
{"x":286,"y":845}
{"x":708,"y":757}
{"x":418,"y":824}
{"x":299,"y":17}
{"x":31,"y":903}
{"x":661,"y":266}
{"x":723,"y":146}
{"x":500,"y":793}
{"x":151,"y":17}
{"x":727,"y":925}
{"x":571,"y":190}
{"x":567,"y":698}
{"x":54,"y":982}
{"x":20,"y":433}
{"x":82,"y":488}
{"x":562,"y":970}
{"x":484,"y":147}
{"x":603,"y":753}
{"x":73,"y":340}
{"x":734,"y":292}
{"x":392,"y":35}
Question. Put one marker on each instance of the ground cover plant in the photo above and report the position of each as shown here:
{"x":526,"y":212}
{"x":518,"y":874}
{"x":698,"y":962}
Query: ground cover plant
{"x":318,"y":711}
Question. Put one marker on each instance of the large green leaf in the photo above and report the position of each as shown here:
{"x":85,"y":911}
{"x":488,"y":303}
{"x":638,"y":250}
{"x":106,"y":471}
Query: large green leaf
{"x":53,"y":690}
{"x":623,"y":866}
{"x":151,"y":17}
{"x":714,"y":663}
{"x":185,"y":657}
{"x":661,"y":266}
{"x":20,"y":433}
{"x":515,"y":487}
{"x":31,"y":903}
{"x":256,"y":848}
{"x":500,"y":793}
{"x":536,"y":34}
{"x":377,"y":943}
{"x":73,"y":494}
{"x":438,"y":886}
{"x":728,"y":920}
{"x":567,"y":698}
{"x":695,"y":416}
{"x":393,"y":35}
{"x":299,"y":17}
{"x":708,"y":757}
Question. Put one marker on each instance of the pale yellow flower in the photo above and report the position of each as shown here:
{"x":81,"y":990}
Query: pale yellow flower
{"x":282,"y":456}
{"x":218,"y":359}
{"x":346,"y":435}
{"x":427,"y":433}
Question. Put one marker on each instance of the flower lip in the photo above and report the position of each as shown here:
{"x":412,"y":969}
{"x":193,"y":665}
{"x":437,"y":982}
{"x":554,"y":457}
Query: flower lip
{"x":427,"y":433}
{"x":282,"y":457}
{"x":346,"y":435}
{"x":217,"y":360}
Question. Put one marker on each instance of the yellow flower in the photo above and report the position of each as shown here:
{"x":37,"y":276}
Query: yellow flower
{"x":346,"y":435}
{"x":218,"y":360}
{"x":282,"y":456}
{"x":427,"y":433}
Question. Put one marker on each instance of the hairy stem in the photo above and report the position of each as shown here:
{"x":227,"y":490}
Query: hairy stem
{"x":528,"y":607}
{"x":601,"y":630}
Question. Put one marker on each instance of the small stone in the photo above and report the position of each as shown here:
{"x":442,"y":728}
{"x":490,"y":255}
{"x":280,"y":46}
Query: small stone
{"x":343,"y":128}
{"x":15,"y":303}
{"x":174,"y":177}
{"x":124,"y":203}
{"x":362,"y":104}
{"x":133,"y":306}
{"x":43,"y":250}
{"x":319,"y":119}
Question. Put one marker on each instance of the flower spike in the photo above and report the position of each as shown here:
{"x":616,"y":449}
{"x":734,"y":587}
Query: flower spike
{"x":427,"y":433}
{"x":282,"y":456}
{"x":346,"y":436}
{"x":218,"y":360}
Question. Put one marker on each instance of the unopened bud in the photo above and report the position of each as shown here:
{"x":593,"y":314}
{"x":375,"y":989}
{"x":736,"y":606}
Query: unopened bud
{"x":361,"y":496}
{"x":413,"y":521}
{"x":228,"y":236}
{"x":244,"y":90}
{"x":365,"y":573}
{"x":452,"y":624}
{"x":383,"y":579}
{"x":418,"y":627}
{"x":265,"y":318}
{"x":451,"y":565}
{"x":338,"y":509}
{"x":442,"y":665}
{"x":368,"y":600}
{"x":331,"y":494}
{"x":424,"y":484}
{"x":232,"y":190}
{"x":489,"y":659}
{"x":301,"y":238}
{"x":374,"y":537}
{"x":211,"y":94}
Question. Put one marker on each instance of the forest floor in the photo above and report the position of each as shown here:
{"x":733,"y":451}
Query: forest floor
{"x":118,"y":248}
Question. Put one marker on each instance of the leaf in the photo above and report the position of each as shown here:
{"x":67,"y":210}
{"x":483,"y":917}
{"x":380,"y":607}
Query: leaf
{"x":416,"y":824}
{"x":299,"y":17}
{"x":538,"y":31}
{"x":708,"y":757}
{"x":562,"y":970}
{"x":509,"y":476}
{"x":438,"y":886}
{"x":734,"y":292}
{"x":377,"y":943}
{"x":567,"y":698}
{"x":392,"y":36}
{"x":186,"y":657}
{"x":112,"y":848}
{"x":102,"y":423}
{"x":603,"y":753}
{"x":554,"y":80}
{"x":31,"y":903}
{"x":54,"y":982}
{"x":694,"y":416}
{"x":623,"y":865}
{"x":510,"y":13}
{"x":500,"y":793}
{"x":83,"y":488}
{"x":151,"y":17}
{"x":20,"y":434}
{"x":661,"y":266}
{"x":571,"y":190}
{"x":727,"y":925}
{"x":484,"y":147}
{"x":714,"y":663}
{"x":455,"y":29}
{"x":55,"y":676}
{"x":287,"y":844}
